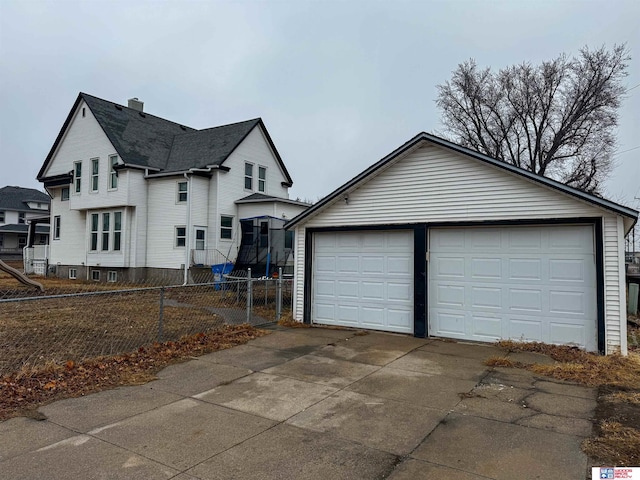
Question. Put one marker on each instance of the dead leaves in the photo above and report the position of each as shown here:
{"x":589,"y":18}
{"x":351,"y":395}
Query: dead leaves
{"x":31,"y":387}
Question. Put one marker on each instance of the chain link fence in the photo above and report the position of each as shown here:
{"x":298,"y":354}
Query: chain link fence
{"x":76,"y":321}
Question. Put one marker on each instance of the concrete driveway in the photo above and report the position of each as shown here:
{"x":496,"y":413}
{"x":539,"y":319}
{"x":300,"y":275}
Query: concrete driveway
{"x":315,"y":404}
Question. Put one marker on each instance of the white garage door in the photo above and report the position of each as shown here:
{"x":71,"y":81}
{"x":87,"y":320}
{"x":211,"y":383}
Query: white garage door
{"x":522,"y":283}
{"x":364,"y":279}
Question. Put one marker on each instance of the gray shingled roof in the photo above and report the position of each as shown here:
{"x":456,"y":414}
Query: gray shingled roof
{"x":207,"y":147}
{"x":147,"y":141}
{"x":16,"y":198}
{"x":139,"y":138}
{"x":261,"y":197}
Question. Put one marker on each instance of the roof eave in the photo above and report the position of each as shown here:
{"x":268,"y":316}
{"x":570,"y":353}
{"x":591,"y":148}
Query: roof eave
{"x":423,"y":138}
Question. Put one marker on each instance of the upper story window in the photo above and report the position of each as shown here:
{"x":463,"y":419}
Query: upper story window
{"x":183,"y":188}
{"x":77,"y":176}
{"x":21,"y":217}
{"x":113,"y":175}
{"x":56,"y":227}
{"x":64,"y":194}
{"x":95,"y":167}
{"x":248,"y":176}
{"x":262,"y":179}
{"x":2,"y":217}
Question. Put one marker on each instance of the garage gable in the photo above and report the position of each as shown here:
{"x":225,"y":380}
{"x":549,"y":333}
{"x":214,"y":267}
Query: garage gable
{"x":432,"y":184}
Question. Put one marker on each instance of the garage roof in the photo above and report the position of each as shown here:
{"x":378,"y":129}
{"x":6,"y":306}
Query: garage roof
{"x":423,"y":138}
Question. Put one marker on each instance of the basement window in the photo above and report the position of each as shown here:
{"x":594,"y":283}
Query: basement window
{"x":73,"y":274}
{"x":112,"y":276}
{"x":95,"y":275}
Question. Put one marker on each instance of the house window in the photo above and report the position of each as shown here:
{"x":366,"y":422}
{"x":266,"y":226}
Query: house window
{"x":73,"y":274}
{"x":200,"y":238}
{"x":1,"y":216}
{"x":248,"y":176}
{"x":112,"y":276}
{"x":77,"y":176}
{"x":1,"y":240}
{"x":262,"y":179}
{"x":117,"y":230}
{"x":181,"y":236}
{"x":64,"y":194}
{"x":56,"y":227}
{"x":226,"y":227}
{"x":95,"y":166}
{"x":95,"y":275}
{"x":288,"y":239}
{"x":21,"y":217}
{"x":113,"y":175}
{"x":182,"y":191}
{"x":94,"y":232}
{"x":22,"y":241}
{"x":106,"y":218}
{"x":43,"y":240}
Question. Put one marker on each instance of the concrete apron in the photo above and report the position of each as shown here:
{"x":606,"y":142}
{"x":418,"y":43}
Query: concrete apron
{"x":315,"y":404}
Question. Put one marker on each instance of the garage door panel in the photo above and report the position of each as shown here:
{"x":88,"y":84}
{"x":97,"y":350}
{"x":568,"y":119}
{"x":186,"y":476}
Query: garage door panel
{"x":567,"y":302}
{"x":399,"y":318}
{"x":540,"y":285}
{"x":485,"y":239}
{"x":524,"y":241}
{"x":399,"y":265}
{"x":567,"y":270}
{"x":325,"y":288}
{"x":450,"y":323}
{"x":527,"y":330}
{"x":372,"y":317}
{"x":373,"y":291}
{"x":486,"y":297}
{"x":529,"y":300}
{"x":567,"y":333}
{"x":448,"y":296}
{"x":399,"y":292}
{"x":489,"y":328}
{"x":348,"y":290}
{"x":525,"y":269}
{"x":371,"y":277}
{"x":347,"y":313}
{"x":486,"y":268}
{"x":325,"y":312}
{"x":449,"y":267}
{"x":372,"y":265}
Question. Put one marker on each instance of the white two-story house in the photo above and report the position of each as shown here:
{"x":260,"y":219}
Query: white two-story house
{"x":134,"y":195}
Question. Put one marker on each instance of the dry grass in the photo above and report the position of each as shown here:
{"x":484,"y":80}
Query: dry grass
{"x":25,"y":390}
{"x":615,"y":444}
{"x":288,"y":321}
{"x":579,"y":366}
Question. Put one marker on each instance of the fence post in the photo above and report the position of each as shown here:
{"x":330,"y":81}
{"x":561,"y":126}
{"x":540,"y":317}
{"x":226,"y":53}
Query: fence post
{"x":161,"y":314}
{"x":279,"y":295}
{"x":249,"y":295}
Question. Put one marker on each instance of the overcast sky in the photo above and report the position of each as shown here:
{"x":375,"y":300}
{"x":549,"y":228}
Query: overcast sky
{"x":338,"y":84}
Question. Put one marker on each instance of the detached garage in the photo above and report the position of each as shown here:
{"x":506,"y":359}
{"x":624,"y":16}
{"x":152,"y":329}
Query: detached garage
{"x":439,"y":240}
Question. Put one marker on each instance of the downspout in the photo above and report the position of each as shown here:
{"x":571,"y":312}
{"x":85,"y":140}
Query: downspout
{"x":187,"y":229}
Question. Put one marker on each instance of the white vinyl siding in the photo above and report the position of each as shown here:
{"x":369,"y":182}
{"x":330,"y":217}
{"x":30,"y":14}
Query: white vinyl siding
{"x":435,"y":185}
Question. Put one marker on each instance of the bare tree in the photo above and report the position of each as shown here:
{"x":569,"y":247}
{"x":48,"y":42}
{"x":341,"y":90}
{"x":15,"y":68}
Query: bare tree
{"x":556,"y":119}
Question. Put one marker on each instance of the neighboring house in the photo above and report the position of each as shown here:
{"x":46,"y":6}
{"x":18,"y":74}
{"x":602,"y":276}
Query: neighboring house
{"x":135,"y":195}
{"x":18,"y":209}
{"x":439,"y":240}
